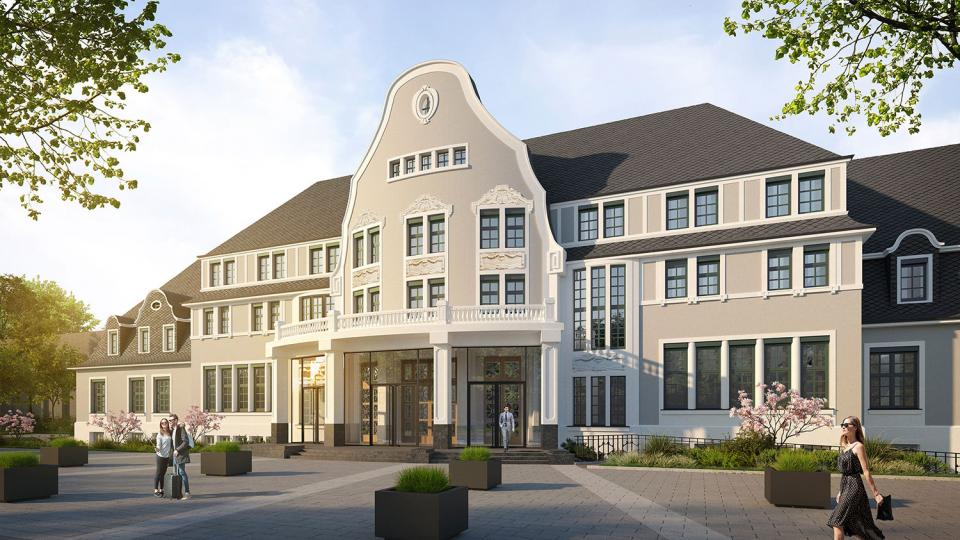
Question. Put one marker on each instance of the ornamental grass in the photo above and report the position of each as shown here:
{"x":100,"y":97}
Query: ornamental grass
{"x":422,"y":480}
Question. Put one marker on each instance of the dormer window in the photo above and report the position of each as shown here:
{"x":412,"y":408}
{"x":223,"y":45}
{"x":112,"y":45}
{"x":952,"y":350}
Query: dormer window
{"x":215,"y":276}
{"x":810,"y":192}
{"x":263,"y":267}
{"x":229,"y":272}
{"x":914,"y":285}
{"x":143,"y":340}
{"x":677,"y":211}
{"x":113,"y":342}
{"x":706,"y":207}
{"x":169,"y":338}
{"x":279,"y":265}
{"x":778,"y":197}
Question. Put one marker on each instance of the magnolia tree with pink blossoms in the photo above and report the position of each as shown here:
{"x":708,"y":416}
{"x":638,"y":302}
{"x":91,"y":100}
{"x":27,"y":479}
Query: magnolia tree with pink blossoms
{"x":782,"y":415}
{"x":119,"y":426}
{"x":17,"y":423}
{"x":200,"y":422}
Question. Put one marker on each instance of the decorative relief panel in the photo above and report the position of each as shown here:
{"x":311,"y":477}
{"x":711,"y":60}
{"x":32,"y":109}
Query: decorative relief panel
{"x":503,"y":195}
{"x":366,"y":276}
{"x":426,"y":266}
{"x":594,"y":362}
{"x":426,"y":204}
{"x":366,"y":218}
{"x":502,"y":260}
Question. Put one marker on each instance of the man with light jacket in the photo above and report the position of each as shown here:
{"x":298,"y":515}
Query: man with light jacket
{"x":507,"y":426}
{"x":182,"y":442}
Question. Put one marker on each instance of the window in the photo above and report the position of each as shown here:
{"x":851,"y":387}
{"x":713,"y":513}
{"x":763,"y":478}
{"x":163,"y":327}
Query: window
{"x":113,"y":342}
{"x":98,"y":397}
{"x":778,"y":269}
{"x":333,"y":253}
{"x":409,"y":165}
{"x":395,"y":168}
{"x":243,"y":389}
{"x":438,"y":234}
{"x":415,"y":294}
{"x":208,"y":322}
{"x":224,"y":320}
{"x":618,"y":400}
{"x":311,"y":308}
{"x":913,"y":280}
{"x":741,"y":371}
{"x":708,"y":276}
{"x":515,"y":293}
{"x":316,"y":260}
{"x":460,"y":156}
{"x":489,"y":229}
{"x":443,"y":158}
{"x":706,"y":207}
{"x":676,"y":278}
{"x":137,"y":394}
{"x":425,"y":162}
{"x":677,"y":211}
{"x":598,"y":401}
{"x":437,"y":291}
{"x":257,"y":316}
{"x":143,"y":339}
{"x":815,"y":272}
{"x":612,"y":220}
{"x":776,"y":363}
{"x":580,"y":309}
{"x":515,"y":227}
{"x":374,"y":295}
{"x":618,"y":311}
{"x":161,"y":395}
{"x":358,"y":302}
{"x":263,"y":267}
{"x":708,"y":377}
{"x":229,"y":272}
{"x":489,"y":290}
{"x":579,"y":401}
{"x":226,"y":388}
{"x":215,"y":274}
{"x":259,"y":388}
{"x":810,"y":192}
{"x":675,"y":377}
{"x":598,"y":312}
{"x":274,"y":315}
{"x":169,"y":338}
{"x":778,"y":197}
{"x":209,"y":389}
{"x":894,"y":377}
{"x":814,"y":360}
{"x":374,"y":255}
{"x":358,"y":250}
{"x":414,"y":237}
{"x":279,"y":265}
{"x":588,"y":223}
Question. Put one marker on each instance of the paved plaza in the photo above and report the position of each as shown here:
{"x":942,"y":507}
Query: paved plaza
{"x":112,"y":498}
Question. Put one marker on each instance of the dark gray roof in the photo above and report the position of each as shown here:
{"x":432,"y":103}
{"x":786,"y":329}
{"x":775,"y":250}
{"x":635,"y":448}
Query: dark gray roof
{"x":896,"y":192}
{"x":263,"y":289}
{"x":312,"y":214}
{"x":716,"y":237}
{"x":694,"y":143}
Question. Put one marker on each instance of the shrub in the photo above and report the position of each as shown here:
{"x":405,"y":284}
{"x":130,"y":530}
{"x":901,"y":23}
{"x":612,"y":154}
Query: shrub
{"x":782,"y":415}
{"x":66,"y":442}
{"x":422,"y":480}
{"x":29,"y":442}
{"x":897,"y":466}
{"x":581,"y":451}
{"x":126,"y":446}
{"x":222,"y":446}
{"x":720,"y":457}
{"x":18,"y":459}
{"x":119,"y":426}
{"x":826,"y":459}
{"x":660,"y":444}
{"x":766,"y":458}
{"x":475,"y":453}
{"x":200,"y":422}
{"x":635,"y":459}
{"x":55,"y":425}
{"x":796,"y":461}
{"x":929,"y":464}
{"x":17,"y":423}
{"x":879,"y":449}
{"x":749,"y":443}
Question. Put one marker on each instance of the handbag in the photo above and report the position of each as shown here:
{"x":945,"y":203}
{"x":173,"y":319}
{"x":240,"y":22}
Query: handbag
{"x":885,"y":509}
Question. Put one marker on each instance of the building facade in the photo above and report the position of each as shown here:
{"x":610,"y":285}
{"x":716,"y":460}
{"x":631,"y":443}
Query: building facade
{"x":628,"y":277}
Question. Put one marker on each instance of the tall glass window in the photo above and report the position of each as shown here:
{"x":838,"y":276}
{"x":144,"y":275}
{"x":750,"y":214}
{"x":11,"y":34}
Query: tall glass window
{"x":618,"y":400}
{"x":778,"y":269}
{"x":169,"y":338}
{"x":358,"y":302}
{"x":588,"y":223}
{"x":215,"y":274}
{"x":438,"y":234}
{"x":580,"y":309}
{"x":137,"y":395}
{"x":229,"y":272}
{"x":678,"y":212}
{"x":161,"y":395}
{"x":274,"y":315}
{"x":894,"y":376}
{"x":415,"y":294}
{"x":257,"y":316}
{"x":263,"y":267}
{"x":489,"y":229}
{"x":210,"y":389}
{"x":613,"y":219}
{"x":579,"y":401}
{"x":515,"y":227}
{"x":708,"y":276}
{"x":259,"y":389}
{"x":333,"y":253}
{"x":598,"y":307}
{"x":598,"y":401}
{"x":437,"y":291}
{"x":778,"y":197}
{"x":676,"y":278}
{"x":776,"y":363}
{"x":224,"y":320}
{"x":414,"y":237}
{"x":708,"y":377}
{"x":675,"y":377}
{"x":515,"y":290}
{"x":358,"y":250}
{"x":208,"y":322}
{"x":706,"y":207}
{"x":814,"y":363}
{"x":374,"y":295}
{"x":810,"y":192}
{"x":741,"y":370}
{"x":279,"y":265}
{"x":243,"y":388}
{"x":98,"y":397}
{"x":226,"y":388}
{"x":618,"y":306}
{"x":489,"y":290}
{"x":815,"y":273}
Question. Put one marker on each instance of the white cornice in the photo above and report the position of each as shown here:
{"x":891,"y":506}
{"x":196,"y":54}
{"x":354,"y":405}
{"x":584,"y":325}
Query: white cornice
{"x":909,"y":232}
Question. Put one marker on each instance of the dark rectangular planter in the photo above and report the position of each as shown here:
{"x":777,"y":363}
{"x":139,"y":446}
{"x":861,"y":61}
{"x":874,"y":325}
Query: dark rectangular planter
{"x":414,"y":516}
{"x":23,"y":483}
{"x":475,"y":474}
{"x":226,"y":463}
{"x":68,"y":456}
{"x":790,"y":488}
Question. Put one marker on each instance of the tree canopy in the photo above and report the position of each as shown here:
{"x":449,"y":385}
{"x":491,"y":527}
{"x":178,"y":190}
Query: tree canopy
{"x":65,"y":69}
{"x":866,"y":58}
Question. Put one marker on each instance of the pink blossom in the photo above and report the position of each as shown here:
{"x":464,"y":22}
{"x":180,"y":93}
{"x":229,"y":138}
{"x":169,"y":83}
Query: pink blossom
{"x":118,"y":426}
{"x":17,"y":423}
{"x":782,"y":415}
{"x":200,"y":422}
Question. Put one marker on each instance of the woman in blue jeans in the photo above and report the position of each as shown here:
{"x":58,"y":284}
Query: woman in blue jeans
{"x":164,"y":448}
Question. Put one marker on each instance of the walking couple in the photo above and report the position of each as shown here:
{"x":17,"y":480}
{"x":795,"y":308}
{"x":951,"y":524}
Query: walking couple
{"x":173,"y":442}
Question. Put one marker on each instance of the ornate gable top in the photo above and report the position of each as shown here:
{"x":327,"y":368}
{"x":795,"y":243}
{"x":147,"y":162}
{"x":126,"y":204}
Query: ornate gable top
{"x":503,"y":195}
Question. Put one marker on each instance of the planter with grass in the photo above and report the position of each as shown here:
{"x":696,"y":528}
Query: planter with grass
{"x":22,"y":477}
{"x":796,"y":479}
{"x":475,"y":469}
{"x":65,"y":453}
{"x":423,"y":504}
{"x":225,"y":459}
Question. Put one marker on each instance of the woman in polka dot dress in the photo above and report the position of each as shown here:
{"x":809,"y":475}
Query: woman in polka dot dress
{"x":852,"y":515}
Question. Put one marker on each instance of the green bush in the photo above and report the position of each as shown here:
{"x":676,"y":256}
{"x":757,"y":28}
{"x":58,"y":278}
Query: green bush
{"x":749,"y":443}
{"x":660,"y":444}
{"x":581,"y":451}
{"x":66,"y":442}
{"x":897,"y":466}
{"x":125,"y":446}
{"x":766,"y":458}
{"x":26,"y":442}
{"x":475,"y":453}
{"x":720,"y":457}
{"x":635,"y":459}
{"x":826,"y":459}
{"x":879,"y":449}
{"x":929,"y":464}
{"x":18,"y":459}
{"x":222,"y":446}
{"x":422,"y":480}
{"x":796,"y":461}
{"x":55,"y":425}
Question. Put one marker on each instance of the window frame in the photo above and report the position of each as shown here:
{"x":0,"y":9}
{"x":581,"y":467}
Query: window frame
{"x":113,"y":342}
{"x":143,"y":345}
{"x":779,"y":254}
{"x":373,"y":245}
{"x":209,"y":398}
{"x":414,"y":239}
{"x":432,"y":285}
{"x":224,"y":325}
{"x":580,"y":341}
{"x":787,"y":346}
{"x":279,"y":265}
{"x":413,"y":286}
{"x":225,"y":392}
{"x":618,"y":401}
{"x":141,"y":406}
{"x":682,"y":371}
{"x":618,"y":306}
{"x":156,"y":393}
{"x":316,"y":260}
{"x":734,"y":392}
{"x":873,"y":404}
{"x":271,"y":321}
{"x":704,"y":290}
{"x":171,"y":345}
{"x":516,"y":242}
{"x":359,"y":301}
{"x":230,"y":272}
{"x":809,"y":178}
{"x":95,"y":407}
{"x":488,"y":279}
{"x":674,"y":221}
{"x":514,"y":279}
{"x":373,"y":293}
{"x":598,"y":307}
{"x":925,"y":261}
{"x":598,"y":400}
{"x":676,"y":264}
{"x":701,"y":385}
{"x":815,"y":266}
{"x":264,"y":267}
{"x":438,"y":237}
{"x":580,"y":401}
{"x":215,"y":271}
{"x":778,"y":182}
{"x":613,"y":223}
{"x":209,"y":322}
{"x":698,"y":205}
{"x":490,"y":240}
{"x":333,"y":253}
{"x":806,"y":371}
{"x":257,"y":320}
{"x":592,"y":229}
{"x":359,"y":253}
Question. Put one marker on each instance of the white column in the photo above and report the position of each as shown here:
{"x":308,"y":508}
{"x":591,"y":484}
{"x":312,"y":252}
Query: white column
{"x":795,"y":364}
{"x":691,"y":375}
{"x":724,"y":375}
{"x":441,"y":384}
{"x":548,"y":383}
{"x":757,"y":371}
{"x":334,"y":388}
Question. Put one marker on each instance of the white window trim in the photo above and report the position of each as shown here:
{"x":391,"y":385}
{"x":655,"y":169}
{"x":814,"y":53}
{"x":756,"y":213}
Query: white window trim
{"x":153,"y":401}
{"x":263,"y":312}
{"x":217,"y":321}
{"x":929,"y":278}
{"x":417,"y":171}
{"x":920,"y":413}
{"x":173,"y":346}
{"x":110,"y":335}
{"x":210,"y":274}
{"x":90,"y":382}
{"x":602,"y":233}
{"x":130,"y":379}
{"x":140,"y":343}
{"x":203,"y":322}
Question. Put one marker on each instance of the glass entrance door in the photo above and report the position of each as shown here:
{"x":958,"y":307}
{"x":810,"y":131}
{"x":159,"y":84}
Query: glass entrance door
{"x":484,"y":405}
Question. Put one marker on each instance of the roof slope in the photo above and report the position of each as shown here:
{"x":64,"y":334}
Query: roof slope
{"x":312,"y":214}
{"x":671,"y":147}
{"x":896,"y":192}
